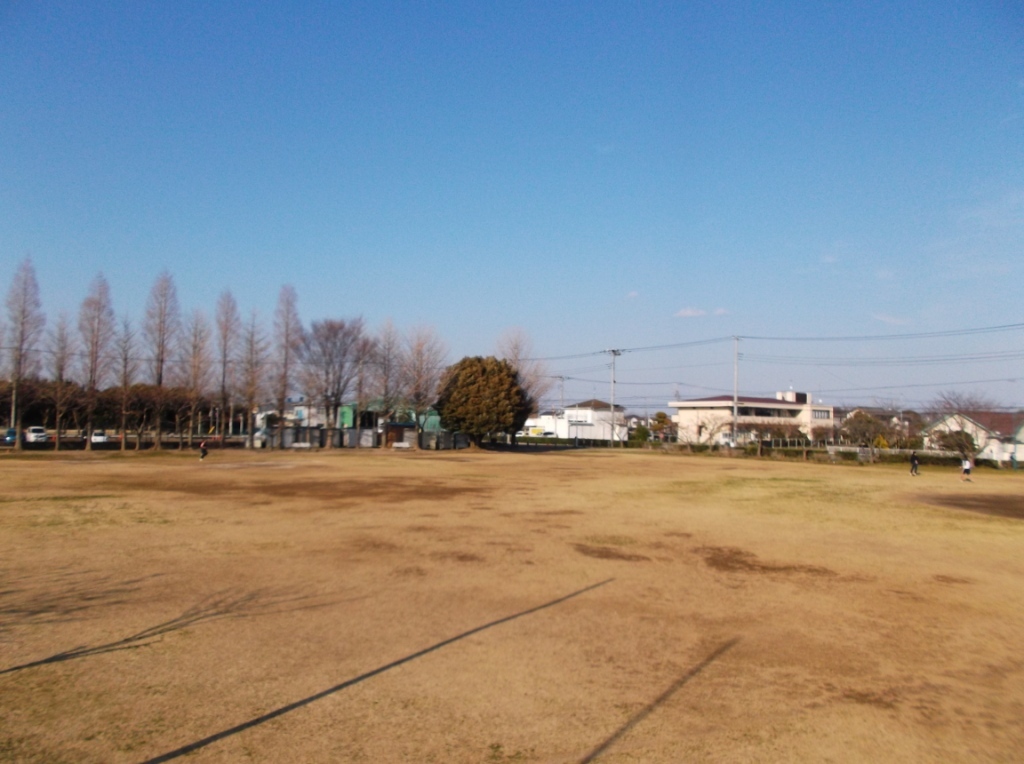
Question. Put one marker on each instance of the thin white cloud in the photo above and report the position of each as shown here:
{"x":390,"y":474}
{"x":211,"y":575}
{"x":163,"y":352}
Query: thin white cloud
{"x":886,"y":319}
{"x":721,"y":312}
{"x":829,"y":259}
{"x":691,"y":313}
{"x":632,"y":295}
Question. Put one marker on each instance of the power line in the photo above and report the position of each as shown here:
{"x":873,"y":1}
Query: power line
{"x":917,"y":385}
{"x":850,"y":338}
{"x":672,"y":346}
{"x":877,"y":337}
{"x":1007,"y":355}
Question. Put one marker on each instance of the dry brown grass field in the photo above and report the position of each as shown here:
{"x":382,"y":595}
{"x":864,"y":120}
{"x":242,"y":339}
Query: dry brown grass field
{"x":506,"y":607}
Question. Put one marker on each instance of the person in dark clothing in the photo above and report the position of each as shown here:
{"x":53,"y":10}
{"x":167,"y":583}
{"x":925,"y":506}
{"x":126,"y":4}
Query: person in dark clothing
{"x":914,"y":463}
{"x":202,"y":450}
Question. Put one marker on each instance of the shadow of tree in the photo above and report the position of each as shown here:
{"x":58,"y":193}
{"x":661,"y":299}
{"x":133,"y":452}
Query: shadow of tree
{"x":62,"y":595}
{"x":225,"y":604}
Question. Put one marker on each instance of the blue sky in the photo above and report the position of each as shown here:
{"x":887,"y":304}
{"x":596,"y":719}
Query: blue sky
{"x":601,"y":174}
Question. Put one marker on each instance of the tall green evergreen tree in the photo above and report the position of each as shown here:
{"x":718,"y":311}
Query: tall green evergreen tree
{"x":482,"y":397}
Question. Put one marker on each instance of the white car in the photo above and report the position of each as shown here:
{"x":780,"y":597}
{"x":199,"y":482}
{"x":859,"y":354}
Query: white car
{"x":36,"y":435}
{"x":99,"y":436}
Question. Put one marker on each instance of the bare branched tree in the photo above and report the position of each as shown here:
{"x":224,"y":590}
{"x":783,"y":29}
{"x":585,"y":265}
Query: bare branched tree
{"x":329,"y":357}
{"x":423,"y":365}
{"x":959,"y":409}
{"x":963,"y":403}
{"x":127,"y":369}
{"x":60,"y":356}
{"x":229,"y":328}
{"x":96,"y":327}
{"x":287,"y":344}
{"x":516,"y":347}
{"x":25,"y":324}
{"x":160,"y":330}
{"x":365,"y":349}
{"x":387,"y":371}
{"x":253,"y":371}
{"x":196,"y":365}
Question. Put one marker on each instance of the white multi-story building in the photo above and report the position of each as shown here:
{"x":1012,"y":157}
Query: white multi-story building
{"x":710,"y":420}
{"x":590,"y":420}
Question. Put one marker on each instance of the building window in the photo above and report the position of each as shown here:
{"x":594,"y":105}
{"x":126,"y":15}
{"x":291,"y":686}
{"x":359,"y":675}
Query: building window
{"x":821,"y":414}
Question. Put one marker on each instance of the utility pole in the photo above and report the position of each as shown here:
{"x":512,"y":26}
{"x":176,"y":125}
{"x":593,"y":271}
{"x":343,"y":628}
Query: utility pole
{"x":561,"y":385}
{"x":614,"y":354}
{"x":735,"y":388}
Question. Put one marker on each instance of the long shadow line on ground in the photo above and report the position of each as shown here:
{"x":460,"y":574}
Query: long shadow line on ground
{"x":202,"y":743}
{"x":647,"y":710}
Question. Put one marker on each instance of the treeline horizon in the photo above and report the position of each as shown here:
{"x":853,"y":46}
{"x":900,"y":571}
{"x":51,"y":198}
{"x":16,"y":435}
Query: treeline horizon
{"x":171,"y":368}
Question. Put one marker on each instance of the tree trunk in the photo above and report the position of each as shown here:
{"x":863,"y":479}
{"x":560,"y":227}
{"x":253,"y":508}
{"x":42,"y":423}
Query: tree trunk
{"x":124,"y":425}
{"x":15,"y":416}
{"x":88,"y":424}
{"x":138,"y":434}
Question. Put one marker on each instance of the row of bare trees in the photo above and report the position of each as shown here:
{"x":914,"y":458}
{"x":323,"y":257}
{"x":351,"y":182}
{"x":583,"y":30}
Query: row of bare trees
{"x":188,"y":365}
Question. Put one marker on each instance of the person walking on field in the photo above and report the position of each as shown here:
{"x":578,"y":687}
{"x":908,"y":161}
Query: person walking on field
{"x":202,"y":450}
{"x":914,"y":463}
{"x":965,"y":469}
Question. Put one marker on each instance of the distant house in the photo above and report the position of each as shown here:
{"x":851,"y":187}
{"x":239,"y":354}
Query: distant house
{"x":588,"y":420}
{"x":997,"y":434}
{"x":901,"y":423}
{"x":299,"y":411}
{"x":710,"y":420}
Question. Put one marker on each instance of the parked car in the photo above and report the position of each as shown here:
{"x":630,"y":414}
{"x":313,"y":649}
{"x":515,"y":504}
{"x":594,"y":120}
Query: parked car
{"x":99,"y":436}
{"x":10,"y":437}
{"x":37,"y":435}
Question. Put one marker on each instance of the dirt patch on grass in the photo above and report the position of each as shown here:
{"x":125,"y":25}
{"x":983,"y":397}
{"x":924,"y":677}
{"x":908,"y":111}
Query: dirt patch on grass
{"x":733,"y":560}
{"x":609,"y":553}
{"x":886,"y":699}
{"x":999,"y":505}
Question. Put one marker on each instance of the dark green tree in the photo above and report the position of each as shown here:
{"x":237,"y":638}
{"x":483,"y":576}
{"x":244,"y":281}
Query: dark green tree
{"x":960,"y":441}
{"x":862,"y":428}
{"x":640,"y":434}
{"x":482,"y":397}
{"x":663,"y":427}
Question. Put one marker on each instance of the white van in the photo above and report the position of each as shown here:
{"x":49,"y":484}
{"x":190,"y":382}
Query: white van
{"x":36,"y":435}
